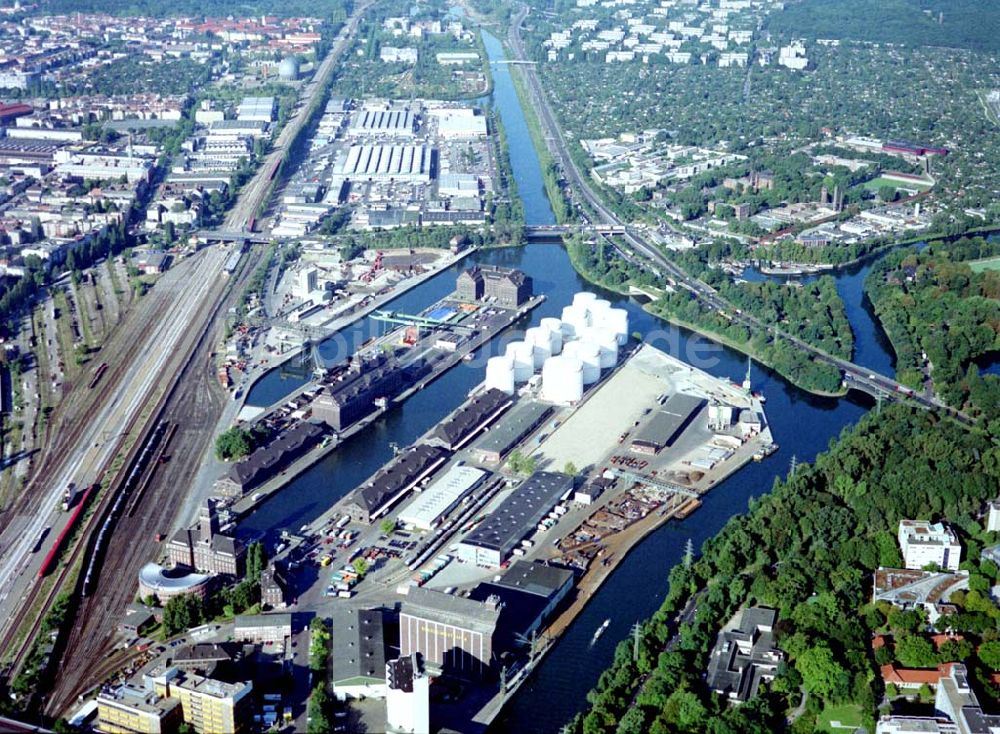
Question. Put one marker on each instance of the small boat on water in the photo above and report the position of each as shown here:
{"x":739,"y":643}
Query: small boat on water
{"x":600,"y":631}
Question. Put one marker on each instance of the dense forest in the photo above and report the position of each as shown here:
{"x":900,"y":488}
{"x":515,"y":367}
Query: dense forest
{"x":808,"y":549}
{"x":941,"y":317}
{"x":971,"y":24}
{"x":802,"y":314}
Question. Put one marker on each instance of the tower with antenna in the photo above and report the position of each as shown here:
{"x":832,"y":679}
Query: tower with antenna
{"x":746,"y":380}
{"x":688,"y":553}
{"x":793,"y":465}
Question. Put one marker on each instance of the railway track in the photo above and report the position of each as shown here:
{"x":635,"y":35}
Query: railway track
{"x":194,"y":396}
{"x":141,"y":386}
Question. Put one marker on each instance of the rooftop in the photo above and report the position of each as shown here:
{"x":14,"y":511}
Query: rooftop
{"x":536,"y":578}
{"x":262,"y":620}
{"x":394,"y":479}
{"x":475,"y":414}
{"x":358,"y":645}
{"x":454,"y":610}
{"x":512,"y":427}
{"x":520,"y":512}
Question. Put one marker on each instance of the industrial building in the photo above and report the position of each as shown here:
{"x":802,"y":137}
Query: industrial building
{"x":591,"y":490}
{"x":923,"y":543}
{"x":667,"y":424}
{"x":407,"y":701}
{"x":260,"y":109}
{"x":452,"y":633}
{"x":403,"y":163}
{"x":465,"y":423}
{"x":510,"y":430}
{"x":374,"y":498}
{"x":268,"y":460}
{"x":357,"y":662}
{"x":262,"y":627}
{"x":517,"y":517}
{"x":529,"y":593}
{"x":353,"y":395}
{"x":433,"y":503}
{"x":130,"y":710}
{"x":508,"y":288}
{"x":203,"y":548}
{"x":745,"y":656}
{"x":272,"y":587}
{"x":382,"y":123}
{"x":459,"y":123}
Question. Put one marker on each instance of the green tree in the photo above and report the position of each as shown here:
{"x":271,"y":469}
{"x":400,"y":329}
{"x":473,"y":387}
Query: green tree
{"x":989,"y":654}
{"x":388,"y":526}
{"x":233,"y":444}
{"x":821,"y":674}
{"x":360,"y":566}
{"x":319,"y":644}
{"x":256,"y":561}
{"x":318,"y":710}
{"x":914,"y":651}
{"x":570,"y":469}
{"x":181,"y":613}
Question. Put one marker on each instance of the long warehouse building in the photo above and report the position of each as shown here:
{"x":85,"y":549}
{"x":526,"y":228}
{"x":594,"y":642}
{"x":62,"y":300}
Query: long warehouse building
{"x":517,"y":516}
{"x":441,"y":497}
{"x":374,"y":498}
{"x":400,"y":123}
{"x":398,"y":162}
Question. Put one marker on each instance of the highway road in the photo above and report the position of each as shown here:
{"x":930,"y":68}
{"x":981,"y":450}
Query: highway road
{"x":856,"y":376}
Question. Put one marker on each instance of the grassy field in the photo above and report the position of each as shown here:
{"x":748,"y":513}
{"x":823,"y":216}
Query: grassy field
{"x":877,"y":183}
{"x":847,"y":716}
{"x":989,"y":263}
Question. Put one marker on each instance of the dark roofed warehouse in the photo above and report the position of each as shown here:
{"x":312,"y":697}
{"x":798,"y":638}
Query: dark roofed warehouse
{"x":667,"y":424}
{"x":393,"y":481}
{"x":517,"y":516}
{"x":266,"y":461}
{"x":471,"y":418}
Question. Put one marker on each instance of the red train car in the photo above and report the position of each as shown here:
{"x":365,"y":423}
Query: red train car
{"x":49,"y":563}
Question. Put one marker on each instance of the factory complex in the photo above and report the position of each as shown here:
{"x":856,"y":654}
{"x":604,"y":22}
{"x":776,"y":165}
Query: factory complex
{"x":383,"y":164}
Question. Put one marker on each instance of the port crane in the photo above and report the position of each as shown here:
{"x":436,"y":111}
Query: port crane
{"x":396,"y":317}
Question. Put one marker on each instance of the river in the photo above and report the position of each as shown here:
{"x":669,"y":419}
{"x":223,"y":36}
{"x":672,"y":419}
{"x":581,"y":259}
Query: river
{"x":803,"y":425}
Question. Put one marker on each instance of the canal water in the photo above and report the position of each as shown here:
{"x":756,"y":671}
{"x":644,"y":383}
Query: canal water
{"x":803,"y":425}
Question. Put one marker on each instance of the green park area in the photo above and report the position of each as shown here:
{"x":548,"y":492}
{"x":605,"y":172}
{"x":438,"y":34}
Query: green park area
{"x":987,"y":263}
{"x":840,"y":719}
{"x":876,"y":183}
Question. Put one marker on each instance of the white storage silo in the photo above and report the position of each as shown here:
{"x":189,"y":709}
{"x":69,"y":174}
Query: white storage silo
{"x":607,"y":341}
{"x":554,"y":327}
{"x":568,"y":331}
{"x":618,"y":322}
{"x":523,"y":355}
{"x":562,"y":379}
{"x":584,"y":298}
{"x":599,"y":312}
{"x":577,"y":317}
{"x":590,"y":355}
{"x":541,"y":343}
{"x":500,"y":374}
